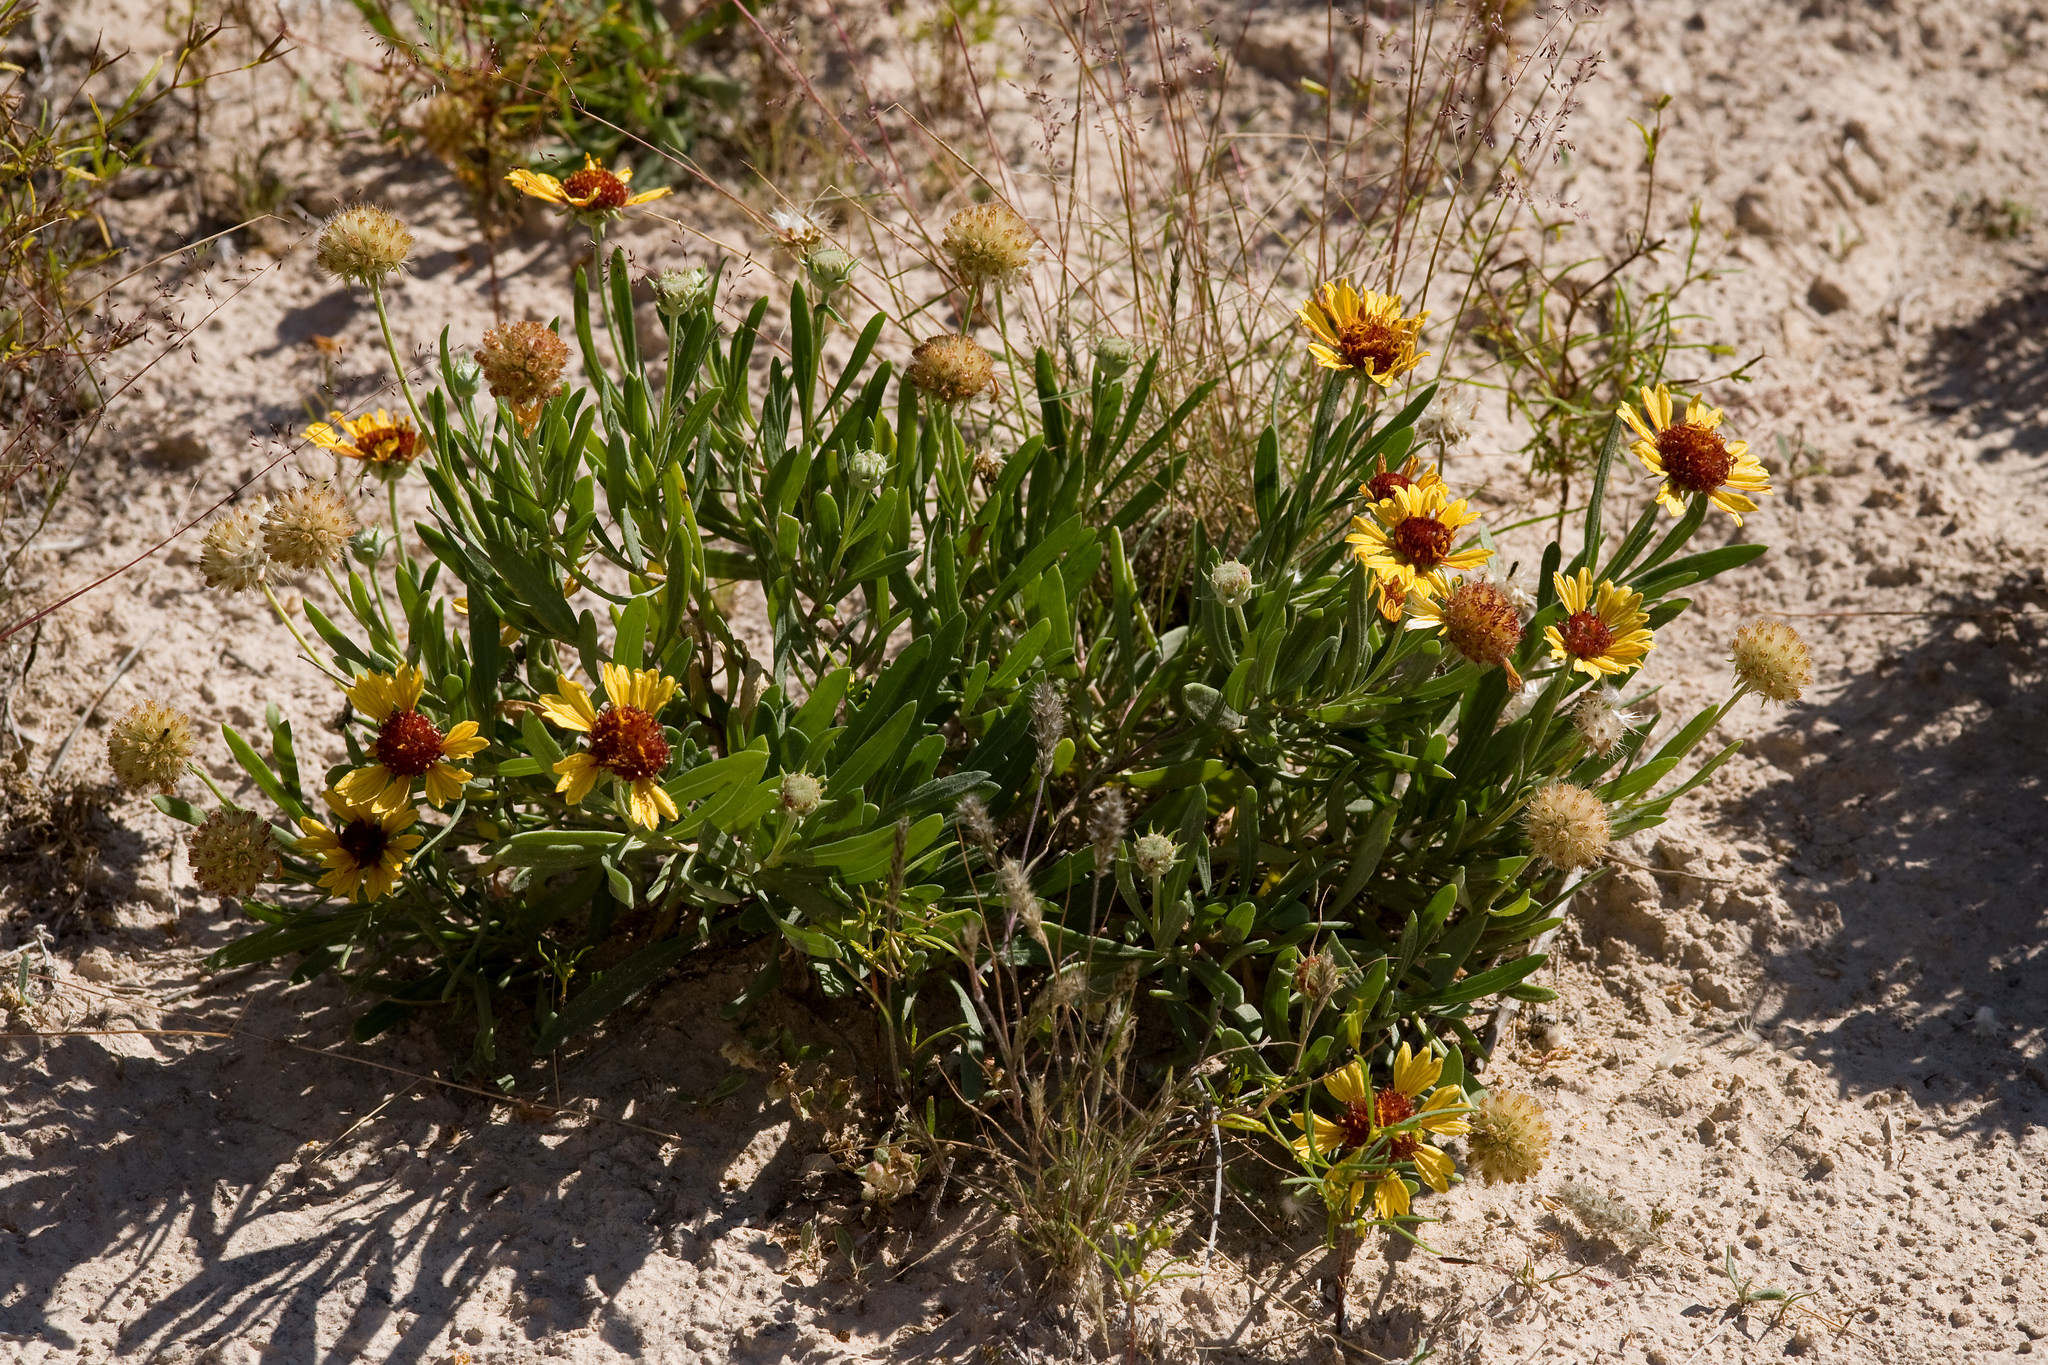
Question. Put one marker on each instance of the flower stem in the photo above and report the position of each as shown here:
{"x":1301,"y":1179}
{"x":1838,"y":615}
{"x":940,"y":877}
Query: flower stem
{"x":311,"y":657}
{"x":397,"y":365}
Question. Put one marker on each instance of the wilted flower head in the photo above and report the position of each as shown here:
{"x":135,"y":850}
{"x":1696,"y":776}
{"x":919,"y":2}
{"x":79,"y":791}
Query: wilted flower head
{"x":149,"y":746}
{"x":231,"y":554}
{"x":868,"y":468}
{"x":308,"y":527}
{"x":890,"y":1176}
{"x":989,"y":244}
{"x":523,"y":363}
{"x":1232,"y":583}
{"x":1567,"y":826}
{"x":362,"y":244}
{"x":801,"y":794}
{"x":988,"y":465}
{"x":231,"y":852}
{"x":1772,"y":660}
{"x":801,"y":233}
{"x":1478,"y":620}
{"x":1155,"y":854}
{"x":1447,"y":428}
{"x":1601,"y":720}
{"x":1317,"y":977}
{"x":951,"y":369}
{"x":680,"y":291}
{"x":830,"y":268}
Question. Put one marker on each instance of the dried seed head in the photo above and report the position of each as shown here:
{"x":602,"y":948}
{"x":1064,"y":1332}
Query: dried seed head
{"x":988,"y":465}
{"x":890,"y":1176}
{"x":1155,"y":854}
{"x":1106,"y":826}
{"x":1771,"y":659}
{"x":1481,"y":623}
{"x":1019,"y":898}
{"x":308,"y":527}
{"x":449,"y":125}
{"x":231,"y":554}
{"x":801,"y":794}
{"x":1048,"y":722}
{"x":801,"y":233}
{"x":974,"y":819}
{"x":678,"y":291}
{"x":1232,"y":583}
{"x":1510,"y":1138}
{"x":231,"y":852}
{"x":1567,"y":826}
{"x":363,"y":244}
{"x":951,"y":369}
{"x":1601,"y":720}
{"x":830,"y":268}
{"x":867,"y":468}
{"x":1317,"y":977}
{"x":989,"y":244}
{"x":149,"y":746}
{"x":523,"y":362}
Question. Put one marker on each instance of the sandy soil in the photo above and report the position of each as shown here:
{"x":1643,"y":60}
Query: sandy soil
{"x":1814,"y":1034}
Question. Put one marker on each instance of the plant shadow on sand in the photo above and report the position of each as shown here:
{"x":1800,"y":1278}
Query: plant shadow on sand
{"x":314,"y":1233}
{"x":1994,"y":368}
{"x":1915,"y":800}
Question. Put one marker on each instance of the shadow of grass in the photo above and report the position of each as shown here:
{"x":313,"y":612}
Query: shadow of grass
{"x":1994,"y":368}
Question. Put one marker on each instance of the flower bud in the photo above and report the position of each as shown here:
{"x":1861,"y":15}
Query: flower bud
{"x":801,"y":794}
{"x":1232,"y":583}
{"x":1567,"y":826}
{"x":680,"y":291}
{"x":867,"y":468}
{"x":1155,"y":854}
{"x":830,"y":268}
{"x":1114,"y":355}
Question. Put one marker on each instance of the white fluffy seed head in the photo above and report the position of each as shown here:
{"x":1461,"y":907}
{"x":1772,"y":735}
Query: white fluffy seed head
{"x":1601,"y":720}
{"x":231,"y":555}
{"x":1567,"y":826}
{"x":1771,"y":659}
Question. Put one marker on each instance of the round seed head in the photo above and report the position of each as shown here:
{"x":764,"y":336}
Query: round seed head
{"x":523,"y":362}
{"x":1510,"y":1137}
{"x":149,"y":746}
{"x":1232,"y":583}
{"x":308,"y":527}
{"x":1567,"y":826}
{"x":801,"y":794}
{"x":231,"y":554}
{"x":989,"y":244}
{"x":1771,"y":659}
{"x":1155,"y":854}
{"x":362,"y":244}
{"x":677,"y":292}
{"x":868,"y":468}
{"x":1481,"y":623}
{"x":951,"y":369}
{"x":1601,"y":720}
{"x":231,"y":852}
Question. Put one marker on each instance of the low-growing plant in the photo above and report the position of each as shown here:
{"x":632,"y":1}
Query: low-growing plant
{"x":1301,"y":810}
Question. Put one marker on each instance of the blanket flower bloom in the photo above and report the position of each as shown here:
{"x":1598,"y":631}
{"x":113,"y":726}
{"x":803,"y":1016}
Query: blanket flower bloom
{"x":626,"y":742}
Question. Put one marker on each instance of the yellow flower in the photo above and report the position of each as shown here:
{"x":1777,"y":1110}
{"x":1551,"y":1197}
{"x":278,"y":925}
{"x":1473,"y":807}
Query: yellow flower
{"x":590,"y":193}
{"x":366,"y":850}
{"x":408,"y":745}
{"x":1381,"y":486}
{"x":1366,"y":1111}
{"x":1406,"y":544}
{"x":1361,"y":331}
{"x":1691,"y":457}
{"x":626,"y":742}
{"x":1390,"y":1196}
{"x":1602,"y":633}
{"x":384,"y":442}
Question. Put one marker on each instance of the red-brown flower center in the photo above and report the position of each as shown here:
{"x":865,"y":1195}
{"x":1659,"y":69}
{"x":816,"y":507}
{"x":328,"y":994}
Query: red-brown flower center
{"x":1696,"y":460}
{"x":1382,"y":485}
{"x":388,"y":445}
{"x":364,"y":841}
{"x":1423,"y":541}
{"x":628,"y":742}
{"x":594,"y":187}
{"x":1355,"y":1124}
{"x":1585,"y":635}
{"x":1369,"y":344}
{"x":408,"y":744}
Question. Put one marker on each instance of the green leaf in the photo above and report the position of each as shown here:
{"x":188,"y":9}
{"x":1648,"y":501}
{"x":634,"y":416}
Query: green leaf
{"x":613,"y":989}
{"x":1177,"y":775}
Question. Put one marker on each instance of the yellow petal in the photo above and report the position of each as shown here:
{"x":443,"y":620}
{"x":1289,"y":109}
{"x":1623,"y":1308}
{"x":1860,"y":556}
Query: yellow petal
{"x":1390,"y":1196}
{"x":1347,"y":1083}
{"x":579,"y":773}
{"x":1434,"y":1167}
{"x":1413,"y":1074}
